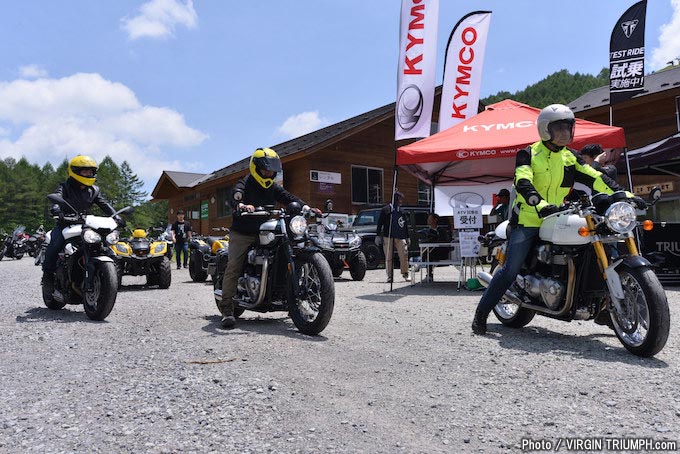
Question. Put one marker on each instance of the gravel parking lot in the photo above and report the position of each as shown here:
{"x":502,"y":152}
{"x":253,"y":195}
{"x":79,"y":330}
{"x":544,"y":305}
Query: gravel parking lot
{"x":393,"y":372}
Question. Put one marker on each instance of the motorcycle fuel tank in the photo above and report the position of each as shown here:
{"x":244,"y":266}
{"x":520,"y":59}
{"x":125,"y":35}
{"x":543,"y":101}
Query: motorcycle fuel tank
{"x":562,"y":228}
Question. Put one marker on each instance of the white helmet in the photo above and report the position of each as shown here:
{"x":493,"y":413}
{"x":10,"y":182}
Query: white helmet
{"x":552,"y":114}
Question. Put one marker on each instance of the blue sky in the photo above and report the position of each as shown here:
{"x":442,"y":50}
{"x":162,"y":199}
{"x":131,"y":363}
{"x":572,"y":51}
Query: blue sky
{"x":195,"y":86}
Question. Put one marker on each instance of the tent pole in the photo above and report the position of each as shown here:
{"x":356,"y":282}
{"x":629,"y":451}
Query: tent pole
{"x":389,"y":218}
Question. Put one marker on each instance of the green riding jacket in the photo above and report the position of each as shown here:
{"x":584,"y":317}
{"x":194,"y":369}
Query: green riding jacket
{"x":551,"y":175}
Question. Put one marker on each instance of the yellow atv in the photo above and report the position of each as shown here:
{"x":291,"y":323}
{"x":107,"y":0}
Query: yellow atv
{"x":141,"y":257}
{"x":203,"y":256}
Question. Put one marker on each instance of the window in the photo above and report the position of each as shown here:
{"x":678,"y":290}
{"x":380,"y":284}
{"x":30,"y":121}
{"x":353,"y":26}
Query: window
{"x":193,"y":212}
{"x":424,"y":193}
{"x":367,"y":184}
{"x":222,"y":200}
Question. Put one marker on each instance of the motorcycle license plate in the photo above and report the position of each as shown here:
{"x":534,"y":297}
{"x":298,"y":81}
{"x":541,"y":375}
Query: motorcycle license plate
{"x":342,"y":256}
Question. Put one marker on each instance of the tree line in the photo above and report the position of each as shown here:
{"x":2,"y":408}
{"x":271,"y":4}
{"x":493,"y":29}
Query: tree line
{"x":561,"y":87}
{"x":24,"y":186}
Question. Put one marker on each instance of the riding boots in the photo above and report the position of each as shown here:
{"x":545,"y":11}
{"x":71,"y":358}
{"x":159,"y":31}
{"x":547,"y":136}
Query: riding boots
{"x":479,"y":322}
{"x":228,"y":319}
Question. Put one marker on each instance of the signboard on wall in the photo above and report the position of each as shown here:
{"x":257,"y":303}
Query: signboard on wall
{"x":204,"y":209}
{"x":325,"y":177}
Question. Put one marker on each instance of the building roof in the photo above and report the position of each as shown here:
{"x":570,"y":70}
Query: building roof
{"x":314,"y":140}
{"x":656,"y":82}
{"x":184,"y":179}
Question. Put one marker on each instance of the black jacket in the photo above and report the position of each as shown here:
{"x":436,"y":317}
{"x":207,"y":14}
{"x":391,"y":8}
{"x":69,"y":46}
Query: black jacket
{"x":399,"y":226}
{"x":249,"y":192}
{"x":82,"y":198}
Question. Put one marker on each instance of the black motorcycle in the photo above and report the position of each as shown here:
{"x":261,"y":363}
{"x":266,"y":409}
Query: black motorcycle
{"x":14,"y":245}
{"x":85,"y":273}
{"x":284,"y":271}
{"x":203,"y":256}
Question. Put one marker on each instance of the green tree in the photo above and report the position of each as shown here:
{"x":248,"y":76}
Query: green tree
{"x":108,"y":180}
{"x":130,"y":187}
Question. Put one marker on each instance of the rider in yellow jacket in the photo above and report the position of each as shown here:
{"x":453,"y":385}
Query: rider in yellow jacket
{"x":545,"y":173}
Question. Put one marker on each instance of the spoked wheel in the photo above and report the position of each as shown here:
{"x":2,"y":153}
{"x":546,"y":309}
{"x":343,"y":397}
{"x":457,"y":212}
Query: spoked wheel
{"x":311,"y":309}
{"x":643,"y":322}
{"x":99,"y":301}
{"x":511,"y":314}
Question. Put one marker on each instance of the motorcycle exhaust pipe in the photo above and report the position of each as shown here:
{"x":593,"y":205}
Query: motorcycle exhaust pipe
{"x":485,"y":279}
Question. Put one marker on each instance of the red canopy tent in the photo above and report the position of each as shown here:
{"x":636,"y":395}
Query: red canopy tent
{"x":482,"y":149}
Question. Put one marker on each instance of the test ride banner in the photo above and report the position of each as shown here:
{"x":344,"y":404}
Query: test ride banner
{"x":416,"y":68}
{"x":463,"y":69}
{"x":627,"y":54}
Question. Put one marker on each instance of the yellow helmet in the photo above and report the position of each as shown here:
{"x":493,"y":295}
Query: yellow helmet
{"x":264,"y":159}
{"x":80,"y":163}
{"x":139,"y":233}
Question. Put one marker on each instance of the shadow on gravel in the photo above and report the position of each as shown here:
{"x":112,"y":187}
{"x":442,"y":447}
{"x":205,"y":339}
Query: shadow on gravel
{"x":535,"y":339}
{"x":42,"y":314}
{"x":385,"y":297}
{"x":136,"y":288}
{"x":282,"y":326}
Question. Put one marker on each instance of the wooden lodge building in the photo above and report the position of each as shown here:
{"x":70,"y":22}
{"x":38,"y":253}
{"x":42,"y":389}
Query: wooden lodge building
{"x":352,"y":162}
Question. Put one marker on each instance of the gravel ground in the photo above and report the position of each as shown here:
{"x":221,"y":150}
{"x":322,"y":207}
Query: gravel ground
{"x":393,"y":372}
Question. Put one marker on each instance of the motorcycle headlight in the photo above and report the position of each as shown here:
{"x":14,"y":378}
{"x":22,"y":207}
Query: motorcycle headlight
{"x":92,"y":237}
{"x":298,"y":225}
{"x":620,"y":217}
{"x":113,"y":237}
{"x":355,"y":242}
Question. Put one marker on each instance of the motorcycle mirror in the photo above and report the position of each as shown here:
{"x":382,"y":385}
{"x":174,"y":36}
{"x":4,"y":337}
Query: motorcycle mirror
{"x":56,"y":198}
{"x":126,"y":210}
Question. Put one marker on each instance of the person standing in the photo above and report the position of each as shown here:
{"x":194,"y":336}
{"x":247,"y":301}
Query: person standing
{"x":434,"y":233}
{"x":392,"y":233}
{"x":181,"y":234}
{"x":501,"y":208}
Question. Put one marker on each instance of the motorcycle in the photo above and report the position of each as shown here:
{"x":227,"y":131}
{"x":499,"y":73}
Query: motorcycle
{"x":284,"y":271}
{"x":576,"y":271}
{"x":34,"y":242}
{"x":341,"y":249}
{"x":40,"y":254}
{"x":85,"y":273}
{"x":141,"y":257}
{"x":202,"y":258}
{"x":14,"y":245}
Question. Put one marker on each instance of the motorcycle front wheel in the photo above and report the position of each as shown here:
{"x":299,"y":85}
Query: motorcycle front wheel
{"x":311,"y":309}
{"x":3,"y":250}
{"x":644,"y":323}
{"x":99,"y":302}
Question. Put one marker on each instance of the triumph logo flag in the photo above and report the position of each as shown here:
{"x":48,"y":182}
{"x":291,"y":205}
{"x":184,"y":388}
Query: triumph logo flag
{"x":627,"y":54}
{"x":416,"y":68}
{"x":463,"y":69}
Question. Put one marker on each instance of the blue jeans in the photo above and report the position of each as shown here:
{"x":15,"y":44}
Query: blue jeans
{"x":520,"y":243}
{"x":53,"y":248}
{"x":179,"y":248}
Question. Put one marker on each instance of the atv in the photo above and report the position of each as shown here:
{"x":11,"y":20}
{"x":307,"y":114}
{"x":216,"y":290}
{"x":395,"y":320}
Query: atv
{"x":141,"y":257}
{"x":342,"y":249}
{"x":204,"y":250}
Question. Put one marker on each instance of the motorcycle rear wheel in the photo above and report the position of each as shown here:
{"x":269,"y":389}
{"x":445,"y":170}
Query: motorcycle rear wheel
{"x":99,"y":303}
{"x":511,"y":315}
{"x":311,"y":310}
{"x":19,"y":255}
{"x":643,"y":327}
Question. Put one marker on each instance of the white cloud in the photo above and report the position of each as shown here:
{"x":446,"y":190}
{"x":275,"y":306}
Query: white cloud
{"x":301,"y":124}
{"x":32,"y":72}
{"x":84,"y":113}
{"x":158,"y":19}
{"x":669,"y":40}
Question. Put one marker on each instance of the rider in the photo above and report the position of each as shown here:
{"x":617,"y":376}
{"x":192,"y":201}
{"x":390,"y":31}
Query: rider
{"x":544,"y":175}
{"x":256,"y":189}
{"x":80,"y":192}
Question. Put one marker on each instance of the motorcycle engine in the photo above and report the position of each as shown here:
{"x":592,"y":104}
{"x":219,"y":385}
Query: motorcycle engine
{"x":550,"y":291}
{"x":250,"y":285}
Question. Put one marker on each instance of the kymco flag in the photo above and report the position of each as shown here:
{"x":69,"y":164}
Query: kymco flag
{"x":416,"y":69}
{"x":463,"y":69}
{"x":627,"y":54}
